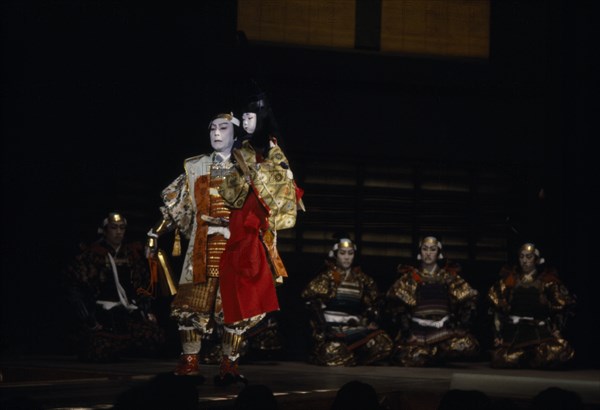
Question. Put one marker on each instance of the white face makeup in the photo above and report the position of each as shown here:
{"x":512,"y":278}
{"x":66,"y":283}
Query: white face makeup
{"x":221,"y":135}
{"x":249,"y":122}
{"x":344,"y":258}
{"x":429,"y":254}
{"x":527,"y":261}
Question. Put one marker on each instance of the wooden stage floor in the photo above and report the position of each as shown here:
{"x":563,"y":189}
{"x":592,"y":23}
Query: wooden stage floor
{"x":61,"y":382}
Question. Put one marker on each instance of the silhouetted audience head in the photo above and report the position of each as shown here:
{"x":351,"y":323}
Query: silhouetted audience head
{"x":20,"y":403}
{"x":555,"y":398}
{"x":504,"y":403}
{"x":455,"y":399}
{"x":356,"y":395}
{"x":255,"y":397}
{"x":163,"y":391}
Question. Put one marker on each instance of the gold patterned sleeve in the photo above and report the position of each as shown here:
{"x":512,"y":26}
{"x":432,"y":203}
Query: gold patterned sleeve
{"x":275,"y":181}
{"x":370,"y":291}
{"x":318,"y":288}
{"x":461,"y":291}
{"x":559,"y":297}
{"x":234,"y":188}
{"x":496,"y":295}
{"x":403,"y":291}
{"x":561,"y":304}
{"x":178,"y":205}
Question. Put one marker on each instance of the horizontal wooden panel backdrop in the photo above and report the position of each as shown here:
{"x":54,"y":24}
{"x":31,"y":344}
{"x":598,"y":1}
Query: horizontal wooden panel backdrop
{"x":448,"y":28}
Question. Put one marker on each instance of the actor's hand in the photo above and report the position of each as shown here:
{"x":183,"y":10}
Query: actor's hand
{"x":151,"y":245}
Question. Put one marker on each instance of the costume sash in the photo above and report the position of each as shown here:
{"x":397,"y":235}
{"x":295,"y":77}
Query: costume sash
{"x":201,"y":189}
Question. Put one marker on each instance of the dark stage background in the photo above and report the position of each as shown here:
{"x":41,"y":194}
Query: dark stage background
{"x":102,"y":101}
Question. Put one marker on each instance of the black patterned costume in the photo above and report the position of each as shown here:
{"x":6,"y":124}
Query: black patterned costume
{"x":92,"y":290}
{"x":530,"y":312}
{"x":432,"y":311}
{"x":344,"y":313}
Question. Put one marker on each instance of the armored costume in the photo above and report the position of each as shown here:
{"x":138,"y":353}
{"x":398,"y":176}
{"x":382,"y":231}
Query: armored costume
{"x":344,"y":305}
{"x":262,"y":341}
{"x":107,"y":287}
{"x":530,"y":309}
{"x":194,"y":207}
{"x":432,"y":308}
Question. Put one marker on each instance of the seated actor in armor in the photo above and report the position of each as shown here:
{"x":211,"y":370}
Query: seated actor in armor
{"x":530,"y":308}
{"x":432,"y":307}
{"x":107,"y":286}
{"x":344,"y":305}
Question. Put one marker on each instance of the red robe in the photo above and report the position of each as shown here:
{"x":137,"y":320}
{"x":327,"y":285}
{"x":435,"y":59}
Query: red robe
{"x":246,"y":281}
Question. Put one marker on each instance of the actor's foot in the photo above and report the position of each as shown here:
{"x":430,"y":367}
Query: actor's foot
{"x":229,"y":373}
{"x":188,"y":365}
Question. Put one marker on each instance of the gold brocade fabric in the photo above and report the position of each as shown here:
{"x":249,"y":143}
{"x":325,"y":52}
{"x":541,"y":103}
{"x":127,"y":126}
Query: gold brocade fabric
{"x":218,"y":209}
{"x":332,"y":353}
{"x":405,"y":290}
{"x":187,"y":199}
{"x":434,"y":309}
{"x":216,"y":243}
{"x":551,"y":354}
{"x":552,"y":291}
{"x":273,"y":180}
{"x":406,"y":287}
{"x":196,"y":298}
{"x":324,"y":287}
{"x":377,"y":346}
{"x":529,"y":316}
{"x":178,"y":205}
{"x":215,"y":247}
{"x":418,"y":355}
{"x":349,"y":340}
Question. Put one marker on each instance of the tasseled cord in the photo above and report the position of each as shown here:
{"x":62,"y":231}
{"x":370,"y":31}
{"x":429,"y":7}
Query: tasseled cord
{"x":177,"y":244}
{"x":153,"y":265}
